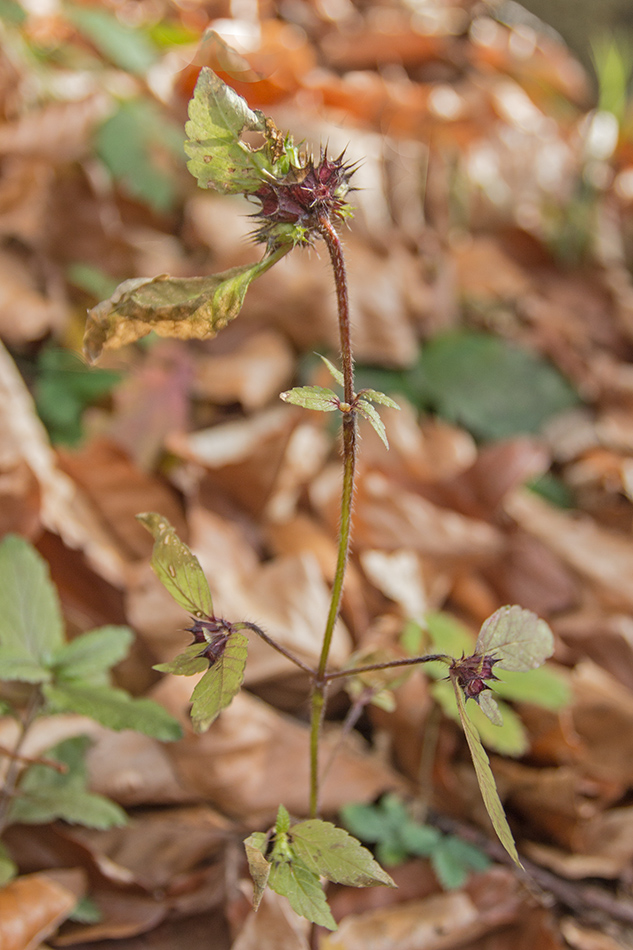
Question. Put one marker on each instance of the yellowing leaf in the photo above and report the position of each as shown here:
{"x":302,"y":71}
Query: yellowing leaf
{"x":486,"y":779}
{"x":177,"y":568}
{"x":333,"y":853}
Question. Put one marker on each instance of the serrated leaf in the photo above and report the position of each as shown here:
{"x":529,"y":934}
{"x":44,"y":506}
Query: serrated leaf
{"x":516,"y":637}
{"x":220,"y":683}
{"x":302,"y":887}
{"x":186,"y":663}
{"x":312,"y":397}
{"x":176,"y":567}
{"x":333,"y":853}
{"x":23,"y":669}
{"x":8,"y":867}
{"x":258,"y":866}
{"x":334,"y":371}
{"x":486,"y":780}
{"x":30,"y":616}
{"x":374,"y":396}
{"x":509,"y":738}
{"x":218,"y":117}
{"x":368,"y":411}
{"x":113,"y":708}
{"x":282,"y":822}
{"x":182,"y":307}
{"x":92,"y":653}
{"x":47,"y":794}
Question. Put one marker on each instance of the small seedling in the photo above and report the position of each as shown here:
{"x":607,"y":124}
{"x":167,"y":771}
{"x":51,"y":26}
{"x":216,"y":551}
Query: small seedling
{"x":41,"y":674}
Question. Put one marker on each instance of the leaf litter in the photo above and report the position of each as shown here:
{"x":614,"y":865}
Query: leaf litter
{"x":517,"y":242}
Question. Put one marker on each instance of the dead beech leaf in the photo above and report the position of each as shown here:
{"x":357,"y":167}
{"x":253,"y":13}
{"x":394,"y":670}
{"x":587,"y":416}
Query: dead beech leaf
{"x":437,"y":922}
{"x":252,"y":375}
{"x":25,"y":313}
{"x":33,"y":906}
{"x":275,"y":926}
{"x":58,"y":132}
{"x":254,"y":758}
{"x":603,"y":558}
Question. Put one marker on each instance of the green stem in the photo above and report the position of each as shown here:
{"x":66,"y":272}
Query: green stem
{"x":332,"y":240}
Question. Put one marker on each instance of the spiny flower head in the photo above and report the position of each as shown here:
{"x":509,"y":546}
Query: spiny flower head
{"x":214,"y":633}
{"x":471,"y":673}
{"x":293,"y":204}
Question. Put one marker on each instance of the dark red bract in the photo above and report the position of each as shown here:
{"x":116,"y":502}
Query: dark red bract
{"x":214,"y":633}
{"x":471,"y":672}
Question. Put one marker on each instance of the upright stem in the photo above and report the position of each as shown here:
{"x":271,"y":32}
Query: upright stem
{"x":331,"y":238}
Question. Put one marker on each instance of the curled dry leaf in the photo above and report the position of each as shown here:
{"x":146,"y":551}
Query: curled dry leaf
{"x":32,"y":907}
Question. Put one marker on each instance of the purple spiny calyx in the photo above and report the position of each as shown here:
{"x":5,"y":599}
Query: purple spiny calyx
{"x":302,"y":197}
{"x":471,"y":673}
{"x":214,"y":633}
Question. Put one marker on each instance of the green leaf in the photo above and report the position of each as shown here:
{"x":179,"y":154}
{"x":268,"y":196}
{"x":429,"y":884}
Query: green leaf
{"x":302,"y":887}
{"x":177,"y":568}
{"x":113,"y":708}
{"x":220,"y":683}
{"x":486,"y":779}
{"x":15,"y":666}
{"x":491,"y":387}
{"x":258,"y":866}
{"x":65,"y":386}
{"x":516,"y":637}
{"x":30,"y":616}
{"x":312,"y":397}
{"x":47,"y":794}
{"x":545,"y":687}
{"x":509,"y":738}
{"x":333,"y":853}
{"x":186,"y":663}
{"x":8,"y":867}
{"x":142,"y":149}
{"x":282,"y":823}
{"x":92,"y":653}
{"x":218,"y":117}
{"x":421,"y":840}
{"x":374,"y":396}
{"x":125,"y":46}
{"x":453,"y":860}
{"x":365,"y":821}
{"x":334,"y":371}
{"x":86,"y":912}
{"x":368,"y":411}
{"x":182,"y":307}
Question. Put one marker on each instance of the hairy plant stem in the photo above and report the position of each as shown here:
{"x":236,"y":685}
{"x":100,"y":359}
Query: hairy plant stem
{"x":335,"y":250}
{"x":16,"y":765}
{"x":245,"y":625}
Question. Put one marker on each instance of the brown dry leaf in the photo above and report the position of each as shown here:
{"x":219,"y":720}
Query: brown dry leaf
{"x":32,"y":907}
{"x":275,"y":926}
{"x":58,"y":132}
{"x":586,"y":938}
{"x":25,"y":191}
{"x":486,"y":272}
{"x":603,"y":558}
{"x":252,"y":375}
{"x":440,"y":921}
{"x":254,"y":758}
{"x":602,"y":713}
{"x":64,"y":510}
{"x":25,"y":312}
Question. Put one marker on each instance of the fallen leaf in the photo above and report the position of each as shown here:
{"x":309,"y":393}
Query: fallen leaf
{"x":32,"y":907}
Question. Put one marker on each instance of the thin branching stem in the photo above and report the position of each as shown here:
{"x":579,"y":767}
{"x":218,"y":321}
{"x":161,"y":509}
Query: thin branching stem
{"x":333,"y":243}
{"x":389,"y":664}
{"x":245,"y":625}
{"x":16,"y":765}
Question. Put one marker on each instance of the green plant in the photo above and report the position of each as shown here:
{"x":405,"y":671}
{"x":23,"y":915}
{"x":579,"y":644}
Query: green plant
{"x":302,"y":200}
{"x":397,"y":835}
{"x":42,"y":673}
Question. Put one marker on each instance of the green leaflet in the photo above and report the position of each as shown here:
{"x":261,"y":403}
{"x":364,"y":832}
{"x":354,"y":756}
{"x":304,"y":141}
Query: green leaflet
{"x":113,"y":708}
{"x":182,"y":307}
{"x":15,"y":666}
{"x":507,"y":738}
{"x":371,"y":414}
{"x":177,"y":568}
{"x":292,"y":879}
{"x":453,"y":859}
{"x":30,"y":617}
{"x":92,"y":654}
{"x":186,"y":663}
{"x":312,"y":397}
{"x":516,"y":637}
{"x":127,"y":47}
{"x":258,"y":866}
{"x":334,"y":372}
{"x":47,"y":794}
{"x":333,"y":853}
{"x":486,"y":779}
{"x":218,"y":159}
{"x":220,"y":683}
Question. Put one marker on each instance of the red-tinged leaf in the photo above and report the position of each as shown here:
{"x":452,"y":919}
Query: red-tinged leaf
{"x":516,"y":638}
{"x":32,"y":907}
{"x":220,"y":683}
{"x":486,"y":780}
